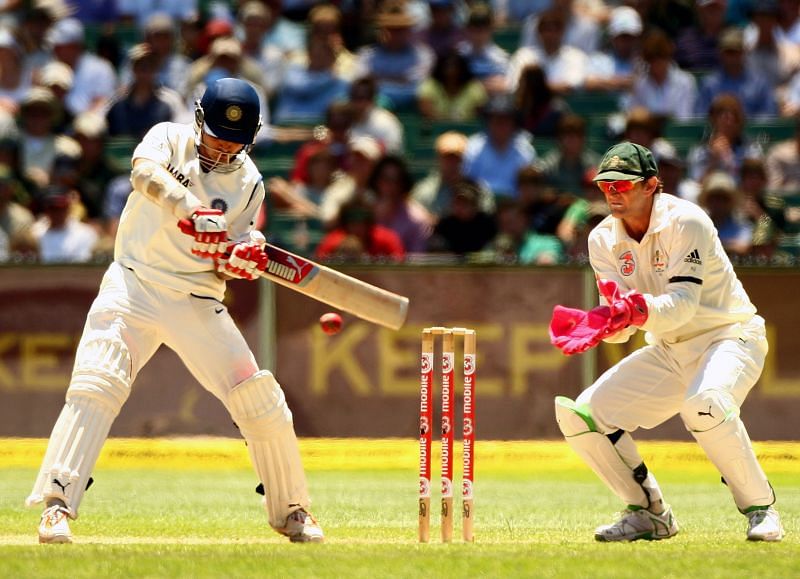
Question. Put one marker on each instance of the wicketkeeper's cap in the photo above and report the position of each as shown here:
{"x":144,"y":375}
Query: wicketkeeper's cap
{"x":625,"y":162}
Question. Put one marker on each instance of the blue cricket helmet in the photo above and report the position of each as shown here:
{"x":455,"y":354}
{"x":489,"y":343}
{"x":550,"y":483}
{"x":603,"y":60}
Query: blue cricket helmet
{"x":231,"y":110}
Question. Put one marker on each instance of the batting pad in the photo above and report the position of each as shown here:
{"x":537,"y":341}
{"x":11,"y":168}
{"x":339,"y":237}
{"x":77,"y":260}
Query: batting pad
{"x":258,"y":406}
{"x":613,"y":463}
{"x":99,"y":387}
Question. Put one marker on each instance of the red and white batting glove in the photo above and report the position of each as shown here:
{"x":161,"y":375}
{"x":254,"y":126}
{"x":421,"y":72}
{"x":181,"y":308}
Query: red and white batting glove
{"x":245,"y":259}
{"x":210,"y":232}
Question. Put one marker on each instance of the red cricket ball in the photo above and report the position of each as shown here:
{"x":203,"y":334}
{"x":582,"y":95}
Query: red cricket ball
{"x":331,"y":323}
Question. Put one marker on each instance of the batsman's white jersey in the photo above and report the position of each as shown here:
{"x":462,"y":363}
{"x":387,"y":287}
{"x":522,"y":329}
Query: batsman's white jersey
{"x":706,"y":350}
{"x":156,"y":292}
{"x":149,"y":241}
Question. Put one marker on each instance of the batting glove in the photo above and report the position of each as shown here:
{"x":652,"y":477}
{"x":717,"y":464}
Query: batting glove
{"x":245,"y":259}
{"x":210,"y":232}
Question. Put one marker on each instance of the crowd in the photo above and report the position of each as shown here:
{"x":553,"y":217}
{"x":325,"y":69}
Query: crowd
{"x":338,"y":78}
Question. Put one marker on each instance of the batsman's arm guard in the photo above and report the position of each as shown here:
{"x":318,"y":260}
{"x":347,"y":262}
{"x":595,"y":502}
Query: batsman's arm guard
{"x":157,"y":184}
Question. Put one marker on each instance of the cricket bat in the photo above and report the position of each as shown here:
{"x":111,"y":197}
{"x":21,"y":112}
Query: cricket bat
{"x":335,"y":288}
{"x":329,"y":286}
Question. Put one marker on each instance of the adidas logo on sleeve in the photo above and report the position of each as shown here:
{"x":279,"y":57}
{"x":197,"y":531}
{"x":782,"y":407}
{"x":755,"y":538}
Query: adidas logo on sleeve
{"x":693,"y":257}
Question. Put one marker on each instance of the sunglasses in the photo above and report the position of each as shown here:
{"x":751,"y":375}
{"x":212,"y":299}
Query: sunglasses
{"x":618,"y":186}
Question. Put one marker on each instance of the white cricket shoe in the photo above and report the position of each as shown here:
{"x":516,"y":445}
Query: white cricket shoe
{"x":301,"y":527}
{"x":764,"y":525}
{"x":639,"y":524}
{"x":54,"y":526}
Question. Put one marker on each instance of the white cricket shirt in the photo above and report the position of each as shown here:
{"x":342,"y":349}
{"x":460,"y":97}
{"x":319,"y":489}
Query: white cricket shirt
{"x":680,"y":267}
{"x":149,"y":241}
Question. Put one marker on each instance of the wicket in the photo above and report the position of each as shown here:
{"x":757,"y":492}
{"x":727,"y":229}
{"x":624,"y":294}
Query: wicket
{"x":427,"y":402}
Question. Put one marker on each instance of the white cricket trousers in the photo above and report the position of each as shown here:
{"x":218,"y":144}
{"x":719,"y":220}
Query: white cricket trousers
{"x":198,"y":329}
{"x":651,"y":385}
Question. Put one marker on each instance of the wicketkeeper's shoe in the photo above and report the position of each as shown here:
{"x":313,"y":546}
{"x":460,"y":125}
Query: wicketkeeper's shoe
{"x":301,"y":527}
{"x":639,"y":523}
{"x":764,"y":525}
{"x":54,"y":526}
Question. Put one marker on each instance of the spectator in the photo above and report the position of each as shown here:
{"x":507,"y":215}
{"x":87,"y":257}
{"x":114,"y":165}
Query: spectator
{"x":444,"y":32}
{"x":664,"y":89}
{"x":396,"y":62}
{"x":495,"y":156}
{"x":577,"y":249}
{"x":540,"y":108}
{"x":58,"y":77}
{"x":581,"y":31}
{"x":357,"y":237}
{"x":435,"y":191}
{"x":303,"y":199}
{"x":15,"y":219}
{"x":614,"y":70}
{"x":487,"y":61}
{"x":172,"y":67}
{"x":516,"y":243}
{"x":255,"y":19}
{"x":452,"y":93}
{"x":768,"y":52}
{"x":697,"y":47}
{"x":286,"y":35}
{"x":225,"y":55}
{"x":565,"y":66}
{"x":544,"y":205}
{"x":391,"y":183}
{"x":372,"y":120}
{"x":465,"y":227}
{"x":39,"y":115}
{"x":722,"y":200}
{"x":309,"y":89}
{"x":61,"y":237}
{"x":789,"y":21}
{"x":335,"y":135}
{"x":565,"y":166}
{"x":765,"y":213}
{"x":364,"y":154}
{"x":15,"y":72}
{"x":734,"y":77}
{"x":94,"y":78}
{"x":94,"y":172}
{"x":672,"y":171}
{"x":139,"y":12}
{"x":326,"y":20}
{"x":783,"y":165}
{"x":36,"y":21}
{"x":143,"y":103}
{"x":727,"y":145}
{"x":641,"y":127}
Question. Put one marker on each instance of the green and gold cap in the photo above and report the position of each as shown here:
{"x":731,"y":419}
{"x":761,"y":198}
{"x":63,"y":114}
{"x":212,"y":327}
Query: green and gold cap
{"x":625,"y":162}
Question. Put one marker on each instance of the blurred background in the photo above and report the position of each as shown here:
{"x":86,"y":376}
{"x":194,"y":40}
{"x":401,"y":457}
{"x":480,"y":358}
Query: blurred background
{"x":443,"y":149}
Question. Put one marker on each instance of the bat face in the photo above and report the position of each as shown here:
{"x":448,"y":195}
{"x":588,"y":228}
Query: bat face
{"x":290,"y":267}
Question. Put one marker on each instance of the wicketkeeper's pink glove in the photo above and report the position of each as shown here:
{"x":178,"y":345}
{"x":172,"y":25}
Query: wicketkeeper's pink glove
{"x":574,"y":331}
{"x":210,"y":232}
{"x":245,"y":259}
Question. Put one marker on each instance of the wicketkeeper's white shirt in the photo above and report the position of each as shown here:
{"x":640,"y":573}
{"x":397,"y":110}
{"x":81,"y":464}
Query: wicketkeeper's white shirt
{"x":680,"y":265}
{"x":149,"y":241}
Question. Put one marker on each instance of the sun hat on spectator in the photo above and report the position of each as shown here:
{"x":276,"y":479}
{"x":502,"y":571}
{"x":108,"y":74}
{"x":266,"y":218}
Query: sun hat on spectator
{"x":394,"y":14}
{"x":665,"y":153}
{"x":451,"y":143}
{"x":624,"y":20}
{"x":90,"y":125}
{"x":139,"y":52}
{"x":719,"y":183}
{"x":366,"y":146}
{"x":732,"y":39}
{"x":159,"y":22}
{"x":67,"y":31}
{"x":39,"y":95}
{"x":56,"y":73}
{"x":254,"y":9}
{"x":325,"y":14}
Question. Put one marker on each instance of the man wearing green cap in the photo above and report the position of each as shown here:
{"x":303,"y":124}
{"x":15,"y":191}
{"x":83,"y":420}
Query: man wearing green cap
{"x":660,"y":268}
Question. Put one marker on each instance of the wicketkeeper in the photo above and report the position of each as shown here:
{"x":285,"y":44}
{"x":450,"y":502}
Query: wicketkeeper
{"x":166,"y":286}
{"x":660,"y":268}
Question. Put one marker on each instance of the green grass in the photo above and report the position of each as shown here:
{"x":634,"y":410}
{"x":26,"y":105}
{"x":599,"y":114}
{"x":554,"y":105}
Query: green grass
{"x":194,"y":514}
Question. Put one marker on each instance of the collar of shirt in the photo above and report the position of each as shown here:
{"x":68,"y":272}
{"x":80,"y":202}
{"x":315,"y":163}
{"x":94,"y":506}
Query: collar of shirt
{"x":659,"y":219}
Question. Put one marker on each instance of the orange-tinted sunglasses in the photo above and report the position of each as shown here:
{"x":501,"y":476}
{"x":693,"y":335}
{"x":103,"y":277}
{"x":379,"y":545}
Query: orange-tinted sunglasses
{"x":617,"y":186}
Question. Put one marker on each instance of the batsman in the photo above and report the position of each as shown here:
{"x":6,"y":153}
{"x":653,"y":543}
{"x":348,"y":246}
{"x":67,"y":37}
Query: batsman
{"x":166,"y":287}
{"x":660,"y":268}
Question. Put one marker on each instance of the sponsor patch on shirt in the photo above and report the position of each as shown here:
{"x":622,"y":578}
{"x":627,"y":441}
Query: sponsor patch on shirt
{"x":659,"y":261}
{"x":627,"y":264}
